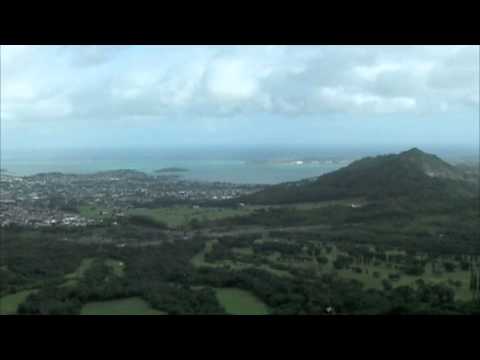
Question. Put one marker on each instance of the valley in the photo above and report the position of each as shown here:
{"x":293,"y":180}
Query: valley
{"x":366,"y":239}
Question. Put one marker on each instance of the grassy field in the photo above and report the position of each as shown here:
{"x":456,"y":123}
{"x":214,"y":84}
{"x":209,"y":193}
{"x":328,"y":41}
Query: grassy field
{"x":9,"y":303}
{"x":315,"y":205}
{"x":384,"y":270}
{"x":118,"y":267}
{"x":366,"y":276}
{"x":461,"y":293}
{"x":240,"y":302}
{"x":180,"y":215}
{"x":72,"y":278}
{"x":93,"y":212}
{"x":128,"y":306}
{"x":176,"y":216}
{"x":199,"y":260}
{"x":84,"y":266}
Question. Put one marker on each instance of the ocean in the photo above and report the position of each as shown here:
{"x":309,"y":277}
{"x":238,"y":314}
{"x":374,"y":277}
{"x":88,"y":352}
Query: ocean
{"x":247,"y":165}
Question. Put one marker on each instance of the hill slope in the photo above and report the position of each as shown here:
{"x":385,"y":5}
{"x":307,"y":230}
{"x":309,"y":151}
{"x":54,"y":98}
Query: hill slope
{"x":410,"y":174}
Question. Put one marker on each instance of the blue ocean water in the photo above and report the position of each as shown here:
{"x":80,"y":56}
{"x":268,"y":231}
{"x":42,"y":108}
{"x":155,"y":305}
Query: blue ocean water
{"x":252,"y":165}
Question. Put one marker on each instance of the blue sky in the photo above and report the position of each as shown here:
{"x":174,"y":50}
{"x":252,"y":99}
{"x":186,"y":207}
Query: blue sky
{"x":124,"y":96}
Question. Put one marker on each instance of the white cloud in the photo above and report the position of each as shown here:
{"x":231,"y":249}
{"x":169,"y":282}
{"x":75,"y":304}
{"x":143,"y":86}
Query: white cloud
{"x":231,"y":79}
{"x":371,"y":72}
{"x":91,"y":55}
{"x":339,"y":98}
{"x":44,"y":83}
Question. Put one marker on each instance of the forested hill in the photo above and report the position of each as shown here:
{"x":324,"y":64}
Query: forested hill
{"x":412,"y":174}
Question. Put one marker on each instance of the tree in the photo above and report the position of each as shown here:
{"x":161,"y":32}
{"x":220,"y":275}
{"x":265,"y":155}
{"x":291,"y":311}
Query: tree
{"x":387,"y":285}
{"x":449,"y":266}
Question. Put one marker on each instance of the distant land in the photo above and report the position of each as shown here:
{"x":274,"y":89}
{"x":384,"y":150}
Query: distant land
{"x":299,"y":162}
{"x":410,"y":174}
{"x":171,"y":169}
{"x":389,"y":234}
{"x":228,"y":164}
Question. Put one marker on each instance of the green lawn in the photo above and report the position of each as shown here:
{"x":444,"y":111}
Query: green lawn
{"x":84,"y":266}
{"x":128,"y":306}
{"x":9,"y":303}
{"x":180,"y":215}
{"x":70,"y":283}
{"x":461,"y":293}
{"x":199,"y":260}
{"x":118,"y":268}
{"x":240,"y":302}
{"x":366,"y":277}
{"x":369,"y":281}
{"x":93,"y":212}
{"x":310,"y":205}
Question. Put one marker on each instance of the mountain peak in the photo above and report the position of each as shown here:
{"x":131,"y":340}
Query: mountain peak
{"x":413,"y":152}
{"x":412,"y":173}
{"x":430,"y":164}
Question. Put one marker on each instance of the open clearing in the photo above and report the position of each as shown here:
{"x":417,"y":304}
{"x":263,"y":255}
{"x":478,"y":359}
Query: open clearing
{"x":9,"y":303}
{"x":128,"y":306}
{"x":180,"y":215}
{"x":240,"y":302}
{"x":384,"y":270}
{"x":72,"y":278}
{"x":175,"y":216}
{"x":371,"y":275}
{"x":93,"y":212}
{"x":118,"y":267}
{"x":199,"y":260}
{"x":84,"y":266}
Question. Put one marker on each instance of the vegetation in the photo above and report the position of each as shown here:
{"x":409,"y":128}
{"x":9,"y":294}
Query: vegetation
{"x":412,"y":175}
{"x":290,"y":272}
{"x":176,"y":216}
{"x":129,"y":306}
{"x":240,"y":302}
{"x":9,"y":303}
{"x":391,"y":254}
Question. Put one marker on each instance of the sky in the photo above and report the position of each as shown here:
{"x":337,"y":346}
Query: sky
{"x":154,"y":96}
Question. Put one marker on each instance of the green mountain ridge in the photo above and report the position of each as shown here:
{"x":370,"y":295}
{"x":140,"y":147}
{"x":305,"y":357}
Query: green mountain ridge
{"x":411,"y":174}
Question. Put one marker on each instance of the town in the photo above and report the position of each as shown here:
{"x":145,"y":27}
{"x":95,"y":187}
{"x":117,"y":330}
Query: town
{"x":48,"y":199}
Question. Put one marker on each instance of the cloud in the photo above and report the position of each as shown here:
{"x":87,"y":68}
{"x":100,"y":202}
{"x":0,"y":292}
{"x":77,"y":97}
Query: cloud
{"x":91,"y":55}
{"x":121,"y":83}
{"x":231,"y":80}
{"x":338,"y":98}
